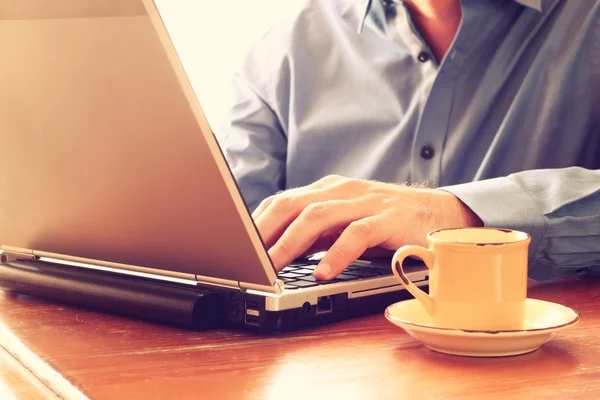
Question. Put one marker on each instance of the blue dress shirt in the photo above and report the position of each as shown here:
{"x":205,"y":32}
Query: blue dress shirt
{"x":508,"y":121}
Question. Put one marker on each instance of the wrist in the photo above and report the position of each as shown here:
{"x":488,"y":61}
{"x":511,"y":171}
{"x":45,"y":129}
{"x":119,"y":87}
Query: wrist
{"x":459,"y":213}
{"x":468,"y":217}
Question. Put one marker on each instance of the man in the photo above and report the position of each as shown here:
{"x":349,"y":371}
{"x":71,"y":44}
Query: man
{"x":495,"y":102}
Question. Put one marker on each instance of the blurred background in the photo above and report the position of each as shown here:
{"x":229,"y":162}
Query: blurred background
{"x":212,"y":38}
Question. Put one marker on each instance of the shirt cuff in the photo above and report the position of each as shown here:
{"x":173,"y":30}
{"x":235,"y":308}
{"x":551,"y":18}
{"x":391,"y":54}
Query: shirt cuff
{"x":501,"y":203}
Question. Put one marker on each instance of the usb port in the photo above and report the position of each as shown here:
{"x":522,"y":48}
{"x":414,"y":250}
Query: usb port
{"x":252,"y":308}
{"x":324,"y":305}
{"x":252,"y":316}
{"x":252,"y":320}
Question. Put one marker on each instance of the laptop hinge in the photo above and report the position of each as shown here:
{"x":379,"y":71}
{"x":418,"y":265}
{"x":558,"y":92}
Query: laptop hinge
{"x":277,"y":288}
{"x":14,"y":253}
{"x":108,"y":266}
{"x":226,"y":283}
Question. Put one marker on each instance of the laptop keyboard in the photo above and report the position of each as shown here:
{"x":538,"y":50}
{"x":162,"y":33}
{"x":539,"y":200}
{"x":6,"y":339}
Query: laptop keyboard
{"x":300,"y":275}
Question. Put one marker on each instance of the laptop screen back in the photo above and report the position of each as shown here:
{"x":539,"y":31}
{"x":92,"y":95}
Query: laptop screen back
{"x":106,"y":154}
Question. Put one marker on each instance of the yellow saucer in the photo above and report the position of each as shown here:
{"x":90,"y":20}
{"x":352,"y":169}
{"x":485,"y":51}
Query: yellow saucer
{"x":542,"y":321}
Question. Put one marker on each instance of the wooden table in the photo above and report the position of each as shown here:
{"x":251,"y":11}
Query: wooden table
{"x":81,"y":353}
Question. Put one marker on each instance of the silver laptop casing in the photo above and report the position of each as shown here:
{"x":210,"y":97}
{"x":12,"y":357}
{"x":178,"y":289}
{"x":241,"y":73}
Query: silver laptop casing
{"x":108,"y":161}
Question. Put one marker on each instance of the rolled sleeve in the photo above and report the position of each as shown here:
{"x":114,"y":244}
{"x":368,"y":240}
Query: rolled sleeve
{"x":501,"y":203}
{"x":559,"y":208}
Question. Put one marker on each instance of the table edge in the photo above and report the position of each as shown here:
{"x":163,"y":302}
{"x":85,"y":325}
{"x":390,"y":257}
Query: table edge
{"x":47,"y":375}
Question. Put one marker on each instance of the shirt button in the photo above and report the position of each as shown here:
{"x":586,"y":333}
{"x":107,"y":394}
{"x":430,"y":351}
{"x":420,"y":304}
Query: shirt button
{"x":423,"y":57}
{"x":427,"y":152}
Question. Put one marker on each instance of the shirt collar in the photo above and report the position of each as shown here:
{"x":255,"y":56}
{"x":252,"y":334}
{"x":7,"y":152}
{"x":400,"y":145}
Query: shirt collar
{"x":364,"y":7}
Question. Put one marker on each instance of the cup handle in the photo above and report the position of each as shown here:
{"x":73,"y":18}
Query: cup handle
{"x":424,"y":254}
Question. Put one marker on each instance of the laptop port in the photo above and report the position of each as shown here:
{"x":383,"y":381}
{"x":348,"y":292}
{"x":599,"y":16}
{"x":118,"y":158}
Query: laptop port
{"x":324,"y":305}
{"x":252,"y":320}
{"x":252,"y":316}
{"x":306,"y":308}
{"x":252,"y":308}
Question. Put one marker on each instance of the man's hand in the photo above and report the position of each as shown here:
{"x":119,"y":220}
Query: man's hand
{"x":349,"y":216}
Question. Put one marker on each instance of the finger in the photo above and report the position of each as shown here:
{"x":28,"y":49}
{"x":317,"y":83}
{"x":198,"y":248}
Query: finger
{"x":325,"y":241}
{"x":309,"y":226}
{"x":262,"y":207}
{"x":284,"y":209}
{"x":315,"y":185}
{"x":269,"y":200}
{"x":354,"y":241}
{"x":273,"y":222}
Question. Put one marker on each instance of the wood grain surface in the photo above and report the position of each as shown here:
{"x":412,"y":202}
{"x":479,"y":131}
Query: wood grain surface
{"x":108,"y":357}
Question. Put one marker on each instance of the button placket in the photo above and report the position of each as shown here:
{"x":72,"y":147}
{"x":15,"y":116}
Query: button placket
{"x":423,"y":57}
{"x":427,"y":145}
{"x":427,"y":152}
{"x":434,"y":122}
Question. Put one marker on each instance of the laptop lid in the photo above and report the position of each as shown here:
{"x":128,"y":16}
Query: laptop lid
{"x":106,"y":153}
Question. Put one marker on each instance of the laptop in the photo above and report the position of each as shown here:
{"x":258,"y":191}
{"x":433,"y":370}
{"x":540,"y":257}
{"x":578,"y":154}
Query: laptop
{"x":109,"y":165}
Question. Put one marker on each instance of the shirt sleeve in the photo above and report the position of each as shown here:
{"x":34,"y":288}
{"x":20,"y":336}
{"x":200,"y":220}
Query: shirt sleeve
{"x":253,"y":144}
{"x":559,"y":208}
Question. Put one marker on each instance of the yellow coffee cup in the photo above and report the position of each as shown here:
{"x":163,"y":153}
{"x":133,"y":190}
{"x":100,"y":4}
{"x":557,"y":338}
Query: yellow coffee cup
{"x":477,"y":278}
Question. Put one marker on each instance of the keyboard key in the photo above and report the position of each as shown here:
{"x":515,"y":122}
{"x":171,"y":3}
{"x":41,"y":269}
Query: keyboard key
{"x":304,"y":271}
{"x":289,"y":268}
{"x":302,"y":284}
{"x":354,"y":267}
{"x":299,"y":264}
{"x":328,"y":282}
{"x":286,"y":280}
{"x":379,"y":270}
{"x":308,"y":278}
{"x":362,"y":274}
{"x":289,"y":275}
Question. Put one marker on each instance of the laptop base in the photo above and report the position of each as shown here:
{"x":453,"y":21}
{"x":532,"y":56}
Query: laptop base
{"x":184,"y":305}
